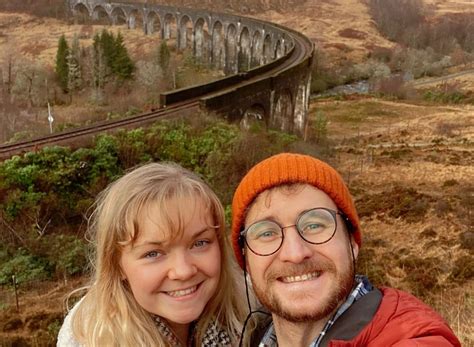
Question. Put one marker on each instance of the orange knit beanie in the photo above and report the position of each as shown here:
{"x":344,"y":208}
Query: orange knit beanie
{"x":287,"y":168}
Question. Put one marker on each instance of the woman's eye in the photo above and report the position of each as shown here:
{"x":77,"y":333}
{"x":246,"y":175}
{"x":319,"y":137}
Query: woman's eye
{"x":201,"y":243}
{"x":153,"y":254}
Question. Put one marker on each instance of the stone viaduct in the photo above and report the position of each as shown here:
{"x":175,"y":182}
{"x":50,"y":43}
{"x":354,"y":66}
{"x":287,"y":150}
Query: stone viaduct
{"x":267,"y":66}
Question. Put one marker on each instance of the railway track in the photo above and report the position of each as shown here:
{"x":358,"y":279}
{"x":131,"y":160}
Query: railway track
{"x":69,"y":137}
{"x":81,"y":136}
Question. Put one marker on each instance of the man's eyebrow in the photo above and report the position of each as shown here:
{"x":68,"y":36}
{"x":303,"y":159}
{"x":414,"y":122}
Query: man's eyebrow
{"x":270,"y":217}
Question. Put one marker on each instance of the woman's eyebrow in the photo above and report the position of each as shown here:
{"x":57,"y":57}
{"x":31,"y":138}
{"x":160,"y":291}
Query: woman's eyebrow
{"x":148,"y":243}
{"x":202,"y":231}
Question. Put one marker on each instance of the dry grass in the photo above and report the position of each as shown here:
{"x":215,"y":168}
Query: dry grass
{"x":442,"y":7}
{"x":327,"y":24}
{"x":36,"y":39}
{"x":412,"y":180}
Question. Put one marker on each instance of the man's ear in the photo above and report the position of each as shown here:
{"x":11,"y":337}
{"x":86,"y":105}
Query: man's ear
{"x":355,"y":246}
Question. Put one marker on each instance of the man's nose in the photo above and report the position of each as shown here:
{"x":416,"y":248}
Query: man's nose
{"x":181,"y":266}
{"x":294,"y":249}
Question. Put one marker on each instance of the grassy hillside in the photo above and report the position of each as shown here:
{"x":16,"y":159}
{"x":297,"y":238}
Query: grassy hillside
{"x":408,"y":160}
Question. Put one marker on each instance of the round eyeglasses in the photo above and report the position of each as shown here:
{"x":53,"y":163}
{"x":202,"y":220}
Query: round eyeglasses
{"x":315,"y":226}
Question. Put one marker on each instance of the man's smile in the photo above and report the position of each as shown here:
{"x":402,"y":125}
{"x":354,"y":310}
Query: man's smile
{"x":300,"y":278}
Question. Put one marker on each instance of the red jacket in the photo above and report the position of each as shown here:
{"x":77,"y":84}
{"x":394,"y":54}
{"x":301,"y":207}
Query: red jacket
{"x":402,"y":320}
{"x":383,"y":318}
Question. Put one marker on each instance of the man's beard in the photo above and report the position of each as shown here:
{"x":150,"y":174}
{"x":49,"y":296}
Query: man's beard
{"x":344,"y":282}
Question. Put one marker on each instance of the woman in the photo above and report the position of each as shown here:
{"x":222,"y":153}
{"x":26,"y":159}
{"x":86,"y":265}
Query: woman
{"x":162,"y":272}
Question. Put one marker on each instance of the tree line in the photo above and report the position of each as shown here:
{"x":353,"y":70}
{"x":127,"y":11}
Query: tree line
{"x":108,"y":60}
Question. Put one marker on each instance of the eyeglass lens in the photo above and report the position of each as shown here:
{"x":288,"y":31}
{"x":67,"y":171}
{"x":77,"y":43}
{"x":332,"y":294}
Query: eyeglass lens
{"x":315,"y":226}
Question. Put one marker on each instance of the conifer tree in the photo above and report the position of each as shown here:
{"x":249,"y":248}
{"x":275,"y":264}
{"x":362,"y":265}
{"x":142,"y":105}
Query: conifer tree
{"x":100,"y":70}
{"x":108,"y":46}
{"x":122,"y":65}
{"x":74,"y":68}
{"x":61,"y":63}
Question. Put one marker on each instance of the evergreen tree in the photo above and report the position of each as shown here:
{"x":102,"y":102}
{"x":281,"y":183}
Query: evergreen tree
{"x":122,"y":65}
{"x":107,"y":43}
{"x":74,"y":73}
{"x":74,"y":68}
{"x":100,"y":70}
{"x":61,"y":63}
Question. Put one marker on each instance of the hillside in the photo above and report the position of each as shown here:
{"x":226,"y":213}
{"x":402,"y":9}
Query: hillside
{"x":408,"y":162}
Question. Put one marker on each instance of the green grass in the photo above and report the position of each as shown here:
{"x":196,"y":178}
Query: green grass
{"x":357,"y":112}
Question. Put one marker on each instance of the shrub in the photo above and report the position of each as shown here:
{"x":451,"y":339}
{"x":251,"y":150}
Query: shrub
{"x":352,"y":34}
{"x":450,"y":183}
{"x":443,"y":207}
{"x":66,"y":254}
{"x":25,"y":267}
{"x":447,"y":92}
{"x":392,"y":86}
{"x":422,"y":274}
{"x":400,"y":202}
{"x":367,"y":264}
{"x":463,"y":269}
{"x":379,"y":53}
{"x":446,"y":128}
{"x":320,"y":127}
{"x":43,"y":191}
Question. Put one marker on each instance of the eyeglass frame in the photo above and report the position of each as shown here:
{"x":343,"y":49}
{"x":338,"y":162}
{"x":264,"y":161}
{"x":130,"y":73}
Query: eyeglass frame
{"x":334,"y":213}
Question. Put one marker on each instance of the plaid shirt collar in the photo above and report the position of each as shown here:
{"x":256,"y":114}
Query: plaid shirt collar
{"x":362,"y":287}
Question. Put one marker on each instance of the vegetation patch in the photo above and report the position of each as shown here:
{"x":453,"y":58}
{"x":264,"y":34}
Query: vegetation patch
{"x":352,"y":34}
{"x":356,"y":112}
{"x":45,"y":190}
{"x":367,"y":264}
{"x":449,"y":93}
{"x":463,"y":269}
{"x":398,"y":153}
{"x":467,"y":240}
{"x":399,"y":202}
{"x":421,"y":274}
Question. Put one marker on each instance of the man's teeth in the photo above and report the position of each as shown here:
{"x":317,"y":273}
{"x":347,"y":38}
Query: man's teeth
{"x":178,"y":293}
{"x":305,"y":277}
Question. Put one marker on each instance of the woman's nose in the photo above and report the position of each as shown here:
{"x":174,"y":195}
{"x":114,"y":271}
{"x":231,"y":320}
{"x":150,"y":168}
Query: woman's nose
{"x":181,"y":267}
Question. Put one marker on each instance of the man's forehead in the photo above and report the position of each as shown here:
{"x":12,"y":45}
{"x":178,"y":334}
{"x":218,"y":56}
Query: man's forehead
{"x":264,"y":199}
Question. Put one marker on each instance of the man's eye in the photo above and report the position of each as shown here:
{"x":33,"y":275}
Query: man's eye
{"x":313,"y":227}
{"x":201,"y":243}
{"x":265,"y":234}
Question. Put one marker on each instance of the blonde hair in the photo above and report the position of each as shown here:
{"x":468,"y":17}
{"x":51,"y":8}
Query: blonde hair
{"x":109,"y":315}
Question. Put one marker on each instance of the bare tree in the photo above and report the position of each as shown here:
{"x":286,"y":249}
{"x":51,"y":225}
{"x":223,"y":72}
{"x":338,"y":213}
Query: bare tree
{"x":8,"y":115}
{"x":29,"y":85}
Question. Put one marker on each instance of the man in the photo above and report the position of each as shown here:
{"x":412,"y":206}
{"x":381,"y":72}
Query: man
{"x":295,"y":230}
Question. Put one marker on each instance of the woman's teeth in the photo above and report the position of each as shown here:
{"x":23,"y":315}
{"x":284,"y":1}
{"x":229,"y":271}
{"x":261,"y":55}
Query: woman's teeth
{"x":178,"y":293}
